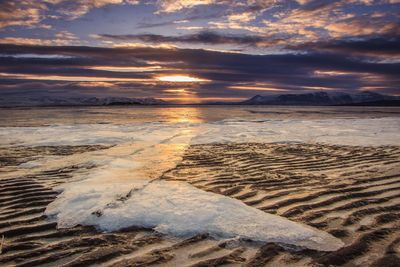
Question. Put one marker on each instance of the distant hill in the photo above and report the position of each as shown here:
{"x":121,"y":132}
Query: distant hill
{"x":77,"y":101}
{"x":324,"y":99}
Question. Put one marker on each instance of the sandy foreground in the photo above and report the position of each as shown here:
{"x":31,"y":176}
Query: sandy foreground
{"x":351,"y":192}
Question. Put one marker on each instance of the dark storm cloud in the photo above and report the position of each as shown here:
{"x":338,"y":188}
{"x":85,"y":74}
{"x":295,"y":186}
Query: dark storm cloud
{"x":368,"y":46}
{"x":197,"y":59}
{"x":204,"y":37}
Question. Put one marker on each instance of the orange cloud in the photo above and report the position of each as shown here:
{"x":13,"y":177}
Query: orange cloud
{"x":169,"y":6}
{"x":68,"y":78}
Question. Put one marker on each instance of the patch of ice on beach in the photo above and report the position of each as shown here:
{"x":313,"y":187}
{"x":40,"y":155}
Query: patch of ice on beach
{"x":119,"y":170}
{"x":363,"y":132}
{"x":88,"y":134}
{"x":179,"y":209}
{"x":355,"y":132}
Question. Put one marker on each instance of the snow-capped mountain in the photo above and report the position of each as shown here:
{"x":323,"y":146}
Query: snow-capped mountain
{"x":319,"y":99}
{"x":77,"y":101}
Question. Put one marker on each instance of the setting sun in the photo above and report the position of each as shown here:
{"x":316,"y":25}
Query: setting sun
{"x":181,"y":79}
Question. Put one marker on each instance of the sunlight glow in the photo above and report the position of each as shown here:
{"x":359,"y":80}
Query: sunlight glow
{"x":176,"y":91}
{"x":331,"y":73}
{"x":181,"y":79}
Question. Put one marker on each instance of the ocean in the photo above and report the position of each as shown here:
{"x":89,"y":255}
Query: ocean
{"x":37,"y":116}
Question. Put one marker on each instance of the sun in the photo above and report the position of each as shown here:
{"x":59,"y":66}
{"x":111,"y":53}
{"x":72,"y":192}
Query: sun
{"x":181,"y":79}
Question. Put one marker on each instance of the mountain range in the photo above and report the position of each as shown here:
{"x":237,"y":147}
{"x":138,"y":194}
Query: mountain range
{"x":77,"y":101}
{"x":325,"y":99}
{"x":306,"y":99}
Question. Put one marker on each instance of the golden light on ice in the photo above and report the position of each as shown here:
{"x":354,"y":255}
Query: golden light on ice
{"x":181,"y":79}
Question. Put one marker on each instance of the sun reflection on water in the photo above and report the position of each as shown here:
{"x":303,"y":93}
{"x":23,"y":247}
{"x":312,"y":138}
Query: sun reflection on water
{"x":182,"y":115}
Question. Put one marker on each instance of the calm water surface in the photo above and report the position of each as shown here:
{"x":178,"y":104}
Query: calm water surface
{"x":174,"y":114}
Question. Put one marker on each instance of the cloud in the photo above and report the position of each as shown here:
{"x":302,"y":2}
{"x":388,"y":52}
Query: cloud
{"x":242,"y":17}
{"x":32,"y":12}
{"x":363,"y":27}
{"x":318,"y":20}
{"x":60,"y":38}
{"x":230,"y":75}
{"x":291,"y":46}
{"x":73,"y":9}
{"x":203,"y":37}
{"x":379,"y":47}
{"x":191,"y":17}
{"x":169,"y":6}
{"x":17,"y":13}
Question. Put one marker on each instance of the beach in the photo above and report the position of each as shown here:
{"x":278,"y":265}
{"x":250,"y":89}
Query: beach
{"x":342,"y":187}
{"x":199,"y":133}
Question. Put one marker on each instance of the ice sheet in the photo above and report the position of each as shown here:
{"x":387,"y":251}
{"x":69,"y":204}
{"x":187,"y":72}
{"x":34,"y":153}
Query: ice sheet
{"x":179,"y":209}
{"x":363,"y":132}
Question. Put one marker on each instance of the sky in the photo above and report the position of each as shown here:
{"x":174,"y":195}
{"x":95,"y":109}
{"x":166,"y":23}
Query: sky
{"x":190,"y":51}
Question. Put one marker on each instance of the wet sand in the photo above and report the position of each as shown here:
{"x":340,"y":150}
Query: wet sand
{"x":351,"y":192}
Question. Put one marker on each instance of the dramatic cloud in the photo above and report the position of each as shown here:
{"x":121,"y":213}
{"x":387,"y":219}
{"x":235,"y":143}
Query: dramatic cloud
{"x":176,"y":5}
{"x":198,"y":50}
{"x":15,"y":13}
{"x":387,"y":48}
{"x":204,"y":37}
{"x":32,"y":12}
{"x":220,"y":74}
{"x":59,"y":38}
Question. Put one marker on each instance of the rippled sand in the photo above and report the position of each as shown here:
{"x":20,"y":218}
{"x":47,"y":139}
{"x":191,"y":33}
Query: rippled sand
{"x":350,"y":192}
